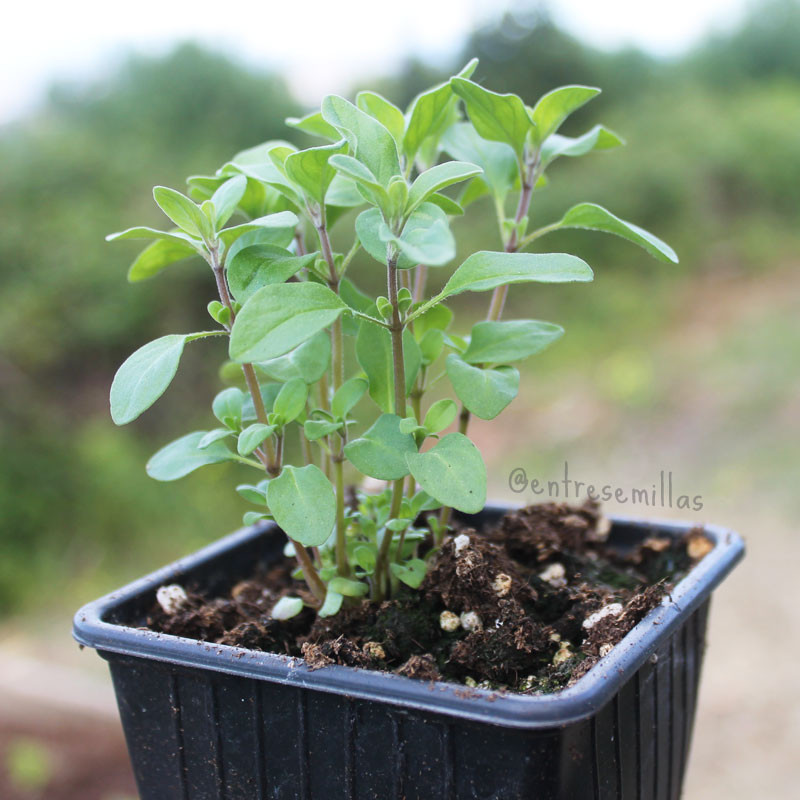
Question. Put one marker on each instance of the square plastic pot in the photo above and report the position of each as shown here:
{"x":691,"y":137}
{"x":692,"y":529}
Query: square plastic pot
{"x":212,"y":722}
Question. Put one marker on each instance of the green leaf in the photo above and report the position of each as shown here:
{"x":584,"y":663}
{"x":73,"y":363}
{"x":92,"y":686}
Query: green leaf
{"x":218,"y":312}
{"x":310,"y":169}
{"x":374,"y":354}
{"x":388,"y":114}
{"x":347,"y":395}
{"x":254,"y":494}
{"x":440,"y":415}
{"x":227,"y":406}
{"x":158,"y":255}
{"x":317,"y":428}
{"x":227,"y":198}
{"x":497,"y":117}
{"x":252,"y":436}
{"x":484,"y":392}
{"x":598,"y":138}
{"x":315,"y":125}
{"x":426,"y":237}
{"x":436,"y":178}
{"x":303,"y":503}
{"x":381,"y":451}
{"x":596,"y":218}
{"x":291,"y":400}
{"x":452,"y":472}
{"x":431,"y":113}
{"x":183,"y":212}
{"x":411,"y":573}
{"x":308,"y":361}
{"x":363,"y":177}
{"x":498,"y":342}
{"x":145,"y":375}
{"x":497,"y":160}
{"x":342,"y":193}
{"x":448,"y":205}
{"x":366,"y":557}
{"x":370,"y":142}
{"x":214,"y":436}
{"x":143,"y":232}
{"x":435,"y":318}
{"x":286,"y":608}
{"x":277,"y":318}
{"x":254,"y":517}
{"x":259,"y":265}
{"x":277,"y":229}
{"x":279,"y":236}
{"x":183,"y":456}
{"x":332,"y":604}
{"x":431,"y":346}
{"x":348,"y":587}
{"x":486,"y":270}
{"x":555,"y":106}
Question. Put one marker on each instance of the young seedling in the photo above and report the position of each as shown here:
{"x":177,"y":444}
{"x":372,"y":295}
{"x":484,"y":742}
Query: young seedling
{"x":309,"y":346}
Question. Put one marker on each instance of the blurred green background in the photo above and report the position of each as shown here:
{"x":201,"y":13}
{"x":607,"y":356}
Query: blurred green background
{"x":691,"y":368}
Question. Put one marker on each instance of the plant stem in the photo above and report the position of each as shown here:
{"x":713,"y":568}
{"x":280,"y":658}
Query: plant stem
{"x":529,"y":176}
{"x":398,"y":361}
{"x":342,"y":564}
{"x":267,"y":455}
{"x":308,"y":454}
{"x":396,"y":330}
{"x":420,"y":279}
{"x":310,"y":574}
{"x":337,"y":365}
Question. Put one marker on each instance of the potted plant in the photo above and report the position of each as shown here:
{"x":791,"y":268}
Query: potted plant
{"x":301,"y":682}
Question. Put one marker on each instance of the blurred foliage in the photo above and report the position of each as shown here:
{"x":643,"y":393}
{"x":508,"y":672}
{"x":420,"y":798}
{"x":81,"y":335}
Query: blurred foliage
{"x":712,"y":166}
{"x":28,"y":763}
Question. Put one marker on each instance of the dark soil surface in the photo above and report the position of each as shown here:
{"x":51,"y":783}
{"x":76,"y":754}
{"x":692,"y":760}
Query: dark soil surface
{"x":528,"y":606}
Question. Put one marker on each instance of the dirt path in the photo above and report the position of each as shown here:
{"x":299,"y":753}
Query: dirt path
{"x":60,"y":738}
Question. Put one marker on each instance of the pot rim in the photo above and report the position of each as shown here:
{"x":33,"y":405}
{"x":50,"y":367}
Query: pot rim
{"x":592,"y":691}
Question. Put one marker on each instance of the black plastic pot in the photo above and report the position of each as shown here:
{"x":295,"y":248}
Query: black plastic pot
{"x":206,"y":721}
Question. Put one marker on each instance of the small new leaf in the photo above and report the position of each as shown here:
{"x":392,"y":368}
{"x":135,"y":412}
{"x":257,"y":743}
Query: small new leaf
{"x":411,"y":573}
{"x":183,"y":212}
{"x":252,"y":436}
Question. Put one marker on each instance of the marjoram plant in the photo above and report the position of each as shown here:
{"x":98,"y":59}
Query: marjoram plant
{"x":294,"y":318}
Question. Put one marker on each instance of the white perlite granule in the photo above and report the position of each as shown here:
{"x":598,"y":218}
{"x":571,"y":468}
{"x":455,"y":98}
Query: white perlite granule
{"x":460,"y":542}
{"x":448,"y":621}
{"x":501,"y":584}
{"x":471,"y":621}
{"x":554,"y":575}
{"x":171,"y":598}
{"x":612,"y":609}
